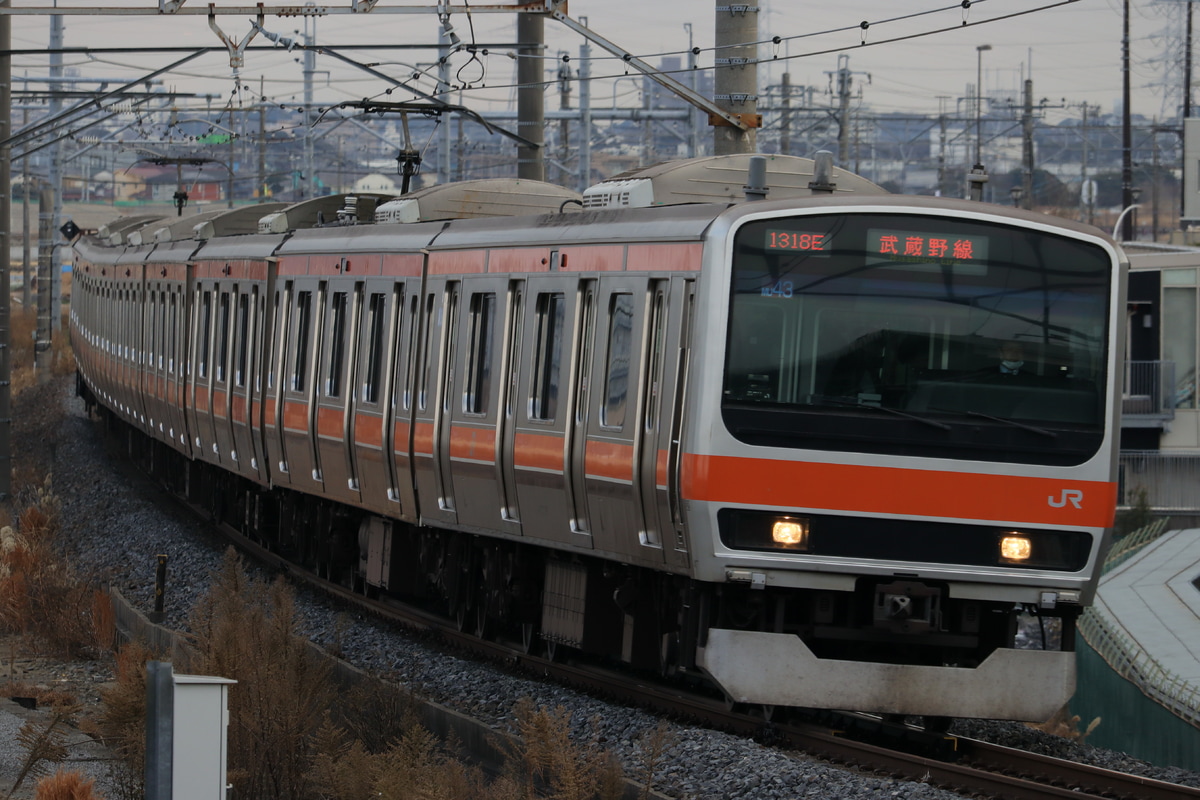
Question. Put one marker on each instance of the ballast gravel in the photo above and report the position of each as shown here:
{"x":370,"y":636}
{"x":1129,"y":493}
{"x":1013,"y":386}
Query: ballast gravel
{"x":117,"y":532}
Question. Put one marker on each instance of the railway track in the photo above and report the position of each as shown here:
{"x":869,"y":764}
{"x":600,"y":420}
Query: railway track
{"x":966,"y":766}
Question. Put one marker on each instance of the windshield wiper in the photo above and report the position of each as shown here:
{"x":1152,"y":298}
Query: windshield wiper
{"x":1005,"y":420}
{"x":837,"y":401}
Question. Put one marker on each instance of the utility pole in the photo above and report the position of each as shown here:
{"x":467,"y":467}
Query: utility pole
{"x":585,"y":112}
{"x":693,"y":127}
{"x":1027,"y":147}
{"x":531,"y":44}
{"x":735,"y":79}
{"x":1187,"y":102}
{"x":6,"y":264}
{"x":260,"y":188}
{"x":1087,"y":192}
{"x":564,"y":125}
{"x":1126,"y":133}
{"x":41,"y":347}
{"x":785,"y":121}
{"x":309,"y":184}
{"x":56,"y":168}
{"x":26,"y":233}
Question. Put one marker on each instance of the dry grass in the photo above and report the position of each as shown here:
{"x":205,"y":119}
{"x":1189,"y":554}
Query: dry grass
{"x":65,"y":785}
{"x":41,"y":597}
{"x":121,"y":724}
{"x":1067,"y":725}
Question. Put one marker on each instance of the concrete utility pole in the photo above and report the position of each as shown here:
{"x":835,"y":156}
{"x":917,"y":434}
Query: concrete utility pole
{"x":531,"y":38}
{"x":1027,"y":147}
{"x":41,"y":348}
{"x":585,"y":113}
{"x":785,"y":120}
{"x":1126,"y":133}
{"x":56,"y":168}
{"x":310,"y":67}
{"x":735,"y":79}
{"x":6,"y":263}
{"x":564,"y":125}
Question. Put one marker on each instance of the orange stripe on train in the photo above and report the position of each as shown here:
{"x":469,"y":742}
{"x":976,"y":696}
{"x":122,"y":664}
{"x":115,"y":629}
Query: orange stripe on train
{"x":473,"y":444}
{"x":609,"y":460}
{"x":891,"y":490}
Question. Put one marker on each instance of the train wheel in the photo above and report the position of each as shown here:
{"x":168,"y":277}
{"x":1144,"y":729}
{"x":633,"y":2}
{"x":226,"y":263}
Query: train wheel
{"x":937,"y":724}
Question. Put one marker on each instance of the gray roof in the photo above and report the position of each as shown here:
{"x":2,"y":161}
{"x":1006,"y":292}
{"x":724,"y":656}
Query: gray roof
{"x":1154,"y":599}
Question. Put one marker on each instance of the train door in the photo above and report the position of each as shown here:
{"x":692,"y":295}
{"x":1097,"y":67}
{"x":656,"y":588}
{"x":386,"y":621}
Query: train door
{"x":200,"y":425}
{"x":180,"y":323}
{"x":542,"y":446}
{"x":474,"y":409}
{"x":222,"y":373}
{"x":371,"y":437}
{"x":280,"y":358}
{"x":407,"y":350}
{"x":299,"y":379}
{"x":243,"y":373}
{"x":435,"y":376}
{"x":509,"y":402}
{"x":613,"y":457}
{"x":259,"y":345}
{"x":335,"y":389}
{"x":669,"y":331}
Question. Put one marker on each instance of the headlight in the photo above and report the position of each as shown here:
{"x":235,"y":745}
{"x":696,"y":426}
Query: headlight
{"x":1015,"y":547}
{"x":745,"y":529}
{"x":791,"y":533}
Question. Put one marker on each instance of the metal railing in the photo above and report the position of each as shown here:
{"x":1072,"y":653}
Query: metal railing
{"x":1148,"y":393}
{"x":1170,"y":481}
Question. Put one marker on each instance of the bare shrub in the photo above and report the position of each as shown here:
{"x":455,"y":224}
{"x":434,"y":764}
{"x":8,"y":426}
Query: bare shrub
{"x":44,"y":741}
{"x":246,"y":631}
{"x":65,"y":785}
{"x":550,"y":762}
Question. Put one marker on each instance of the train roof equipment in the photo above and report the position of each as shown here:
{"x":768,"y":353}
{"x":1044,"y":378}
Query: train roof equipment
{"x":114,"y":233}
{"x":332,"y":209}
{"x":489,"y":197}
{"x":720,"y":179}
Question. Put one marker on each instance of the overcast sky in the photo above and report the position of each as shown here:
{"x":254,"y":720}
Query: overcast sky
{"x":1074,"y":48}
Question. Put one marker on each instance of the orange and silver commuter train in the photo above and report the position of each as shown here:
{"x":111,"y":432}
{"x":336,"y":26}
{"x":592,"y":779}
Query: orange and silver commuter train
{"x":823,"y":449}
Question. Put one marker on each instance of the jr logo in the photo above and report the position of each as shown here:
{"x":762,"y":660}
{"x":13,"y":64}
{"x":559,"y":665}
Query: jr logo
{"x":1072,"y":496}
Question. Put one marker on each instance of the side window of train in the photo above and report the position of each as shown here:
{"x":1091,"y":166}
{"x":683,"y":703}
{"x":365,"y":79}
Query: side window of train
{"x":426,"y":352}
{"x":302,"y":332}
{"x":658,"y":322}
{"x":174,"y":333}
{"x":403,"y":368}
{"x":335,"y":365}
{"x":376,"y":327}
{"x":620,"y":345}
{"x":242,"y":340}
{"x":223,"y":337}
{"x":205,"y":332}
{"x":478,"y":387}
{"x":165,"y":333}
{"x":547,"y":355}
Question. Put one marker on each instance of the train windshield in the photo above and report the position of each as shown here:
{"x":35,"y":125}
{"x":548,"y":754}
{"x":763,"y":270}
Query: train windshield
{"x":917,"y":335}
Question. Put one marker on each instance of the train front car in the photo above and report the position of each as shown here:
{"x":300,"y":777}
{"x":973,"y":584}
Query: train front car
{"x":900,"y":439}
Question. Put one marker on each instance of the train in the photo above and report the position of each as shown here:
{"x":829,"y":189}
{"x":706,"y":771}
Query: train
{"x":751,"y":422}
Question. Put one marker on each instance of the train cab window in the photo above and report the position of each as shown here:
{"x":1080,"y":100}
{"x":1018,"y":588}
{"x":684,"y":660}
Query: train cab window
{"x":242,"y":341}
{"x":376,"y":327}
{"x":223,"y":337}
{"x":301,"y":332}
{"x":337,"y":344}
{"x":620,"y":345}
{"x":547,"y":355}
{"x":480,"y":348}
{"x":205,"y":333}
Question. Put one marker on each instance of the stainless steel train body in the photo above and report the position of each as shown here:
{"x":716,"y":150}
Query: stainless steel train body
{"x":767,"y":444}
